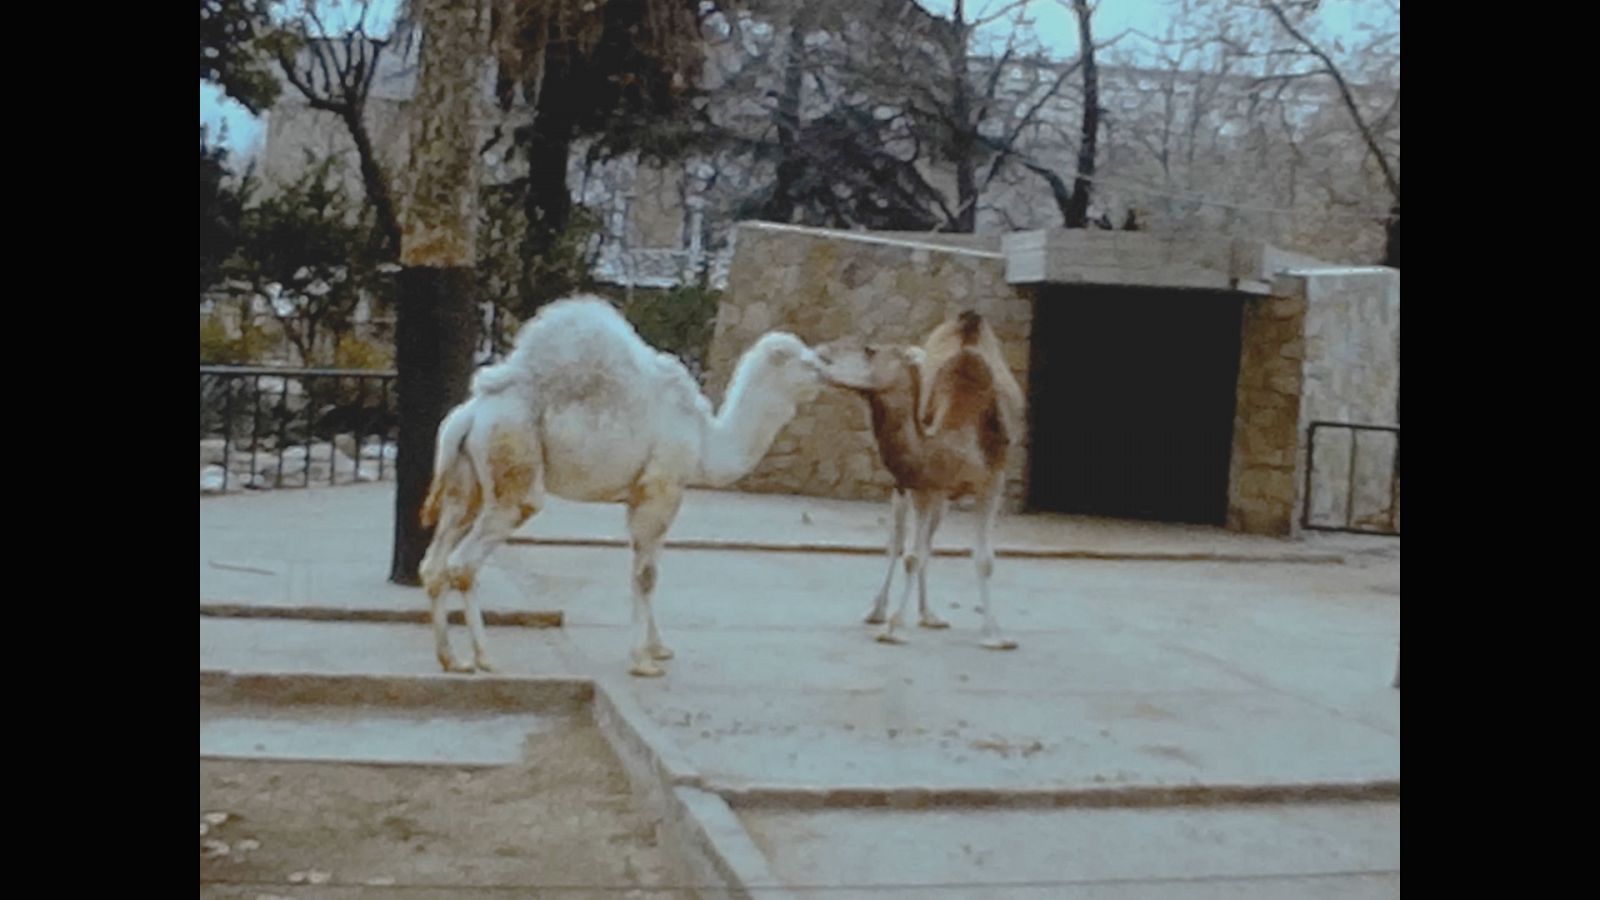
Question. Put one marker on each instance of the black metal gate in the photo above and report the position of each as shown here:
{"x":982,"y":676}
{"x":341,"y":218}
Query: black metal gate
{"x":1132,"y":394}
{"x":1392,"y":526}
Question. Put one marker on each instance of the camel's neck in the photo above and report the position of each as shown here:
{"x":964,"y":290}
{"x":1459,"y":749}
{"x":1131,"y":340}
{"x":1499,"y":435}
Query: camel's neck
{"x":894,"y":424}
{"x":744,"y":428}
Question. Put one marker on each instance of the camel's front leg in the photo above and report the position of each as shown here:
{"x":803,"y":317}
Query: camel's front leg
{"x":650,"y":514}
{"x":915,"y":560}
{"x":983,"y":557}
{"x":925,"y":616}
{"x":897,"y":548}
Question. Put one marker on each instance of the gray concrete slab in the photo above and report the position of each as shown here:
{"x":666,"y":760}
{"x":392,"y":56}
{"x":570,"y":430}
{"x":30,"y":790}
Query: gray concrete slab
{"x":255,"y":645}
{"x":430,"y":719}
{"x":417,"y":737}
{"x":1128,"y":672}
{"x":1322,"y":851}
{"x":1164,"y":674}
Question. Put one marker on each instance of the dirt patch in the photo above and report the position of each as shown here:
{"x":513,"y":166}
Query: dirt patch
{"x":563,"y":818}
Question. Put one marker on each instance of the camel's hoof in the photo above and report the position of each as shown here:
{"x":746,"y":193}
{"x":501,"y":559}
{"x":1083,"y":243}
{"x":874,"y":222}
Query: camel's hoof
{"x":933,"y":622}
{"x":661,"y":652}
{"x":875,"y":618}
{"x":999,"y":644}
{"x":485,"y":664}
{"x":889,"y":637}
{"x":646,"y":670}
{"x":456,"y":665}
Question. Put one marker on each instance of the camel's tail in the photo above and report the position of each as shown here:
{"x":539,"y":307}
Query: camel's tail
{"x":452,"y":434}
{"x":494,"y":379}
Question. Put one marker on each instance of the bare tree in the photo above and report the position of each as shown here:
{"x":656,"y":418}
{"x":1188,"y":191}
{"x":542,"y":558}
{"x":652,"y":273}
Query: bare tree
{"x":1076,"y":215}
{"x":885,"y":114}
{"x":334,"y":70}
{"x":1073,"y":203}
{"x":618,"y":75}
{"x":1376,"y":149}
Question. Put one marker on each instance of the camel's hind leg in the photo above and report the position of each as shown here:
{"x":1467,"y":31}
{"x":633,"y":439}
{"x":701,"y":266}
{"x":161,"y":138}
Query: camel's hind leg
{"x":459,"y":510}
{"x":925,"y":616}
{"x":983,"y":557}
{"x":897,"y":547}
{"x":513,"y":492}
{"x":651,"y":509}
{"x":923,"y":517}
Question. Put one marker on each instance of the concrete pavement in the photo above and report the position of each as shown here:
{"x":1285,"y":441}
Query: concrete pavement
{"x":1132,"y":675}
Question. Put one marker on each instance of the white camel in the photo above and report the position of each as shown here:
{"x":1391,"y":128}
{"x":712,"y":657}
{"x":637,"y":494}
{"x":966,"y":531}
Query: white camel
{"x":584,"y":409}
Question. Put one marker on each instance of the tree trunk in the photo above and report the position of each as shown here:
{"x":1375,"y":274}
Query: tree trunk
{"x":780,"y":206}
{"x":434,"y":336}
{"x":1077,"y":213}
{"x":1391,"y":248}
{"x":963,"y":144}
{"x":436,"y":327}
{"x":546,"y":204}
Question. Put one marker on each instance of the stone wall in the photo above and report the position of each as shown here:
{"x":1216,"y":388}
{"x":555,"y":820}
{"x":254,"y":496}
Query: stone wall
{"x":1264,"y":470}
{"x":824,"y":285}
{"x":1352,"y":374}
{"x":1324,"y":347}
{"x":1317,"y":343}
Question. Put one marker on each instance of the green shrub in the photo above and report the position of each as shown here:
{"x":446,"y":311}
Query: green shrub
{"x":218,"y":348}
{"x":355,"y":353}
{"x":679,"y":321}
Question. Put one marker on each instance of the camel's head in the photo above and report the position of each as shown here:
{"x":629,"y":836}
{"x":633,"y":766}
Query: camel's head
{"x":787,"y":362}
{"x":872,"y":368}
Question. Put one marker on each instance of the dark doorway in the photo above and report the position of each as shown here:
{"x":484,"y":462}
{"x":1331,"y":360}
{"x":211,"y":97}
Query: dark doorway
{"x":1132,"y":394}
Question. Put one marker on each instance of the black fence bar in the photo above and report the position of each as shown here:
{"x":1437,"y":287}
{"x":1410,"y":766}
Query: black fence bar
{"x":310,"y":409}
{"x":1349,"y":526}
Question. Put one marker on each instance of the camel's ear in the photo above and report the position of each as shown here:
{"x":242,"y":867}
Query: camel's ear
{"x":780,"y":355}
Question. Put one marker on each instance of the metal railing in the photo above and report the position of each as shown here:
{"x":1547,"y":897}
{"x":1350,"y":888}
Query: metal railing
{"x":1349,"y":526}
{"x":292,"y":425}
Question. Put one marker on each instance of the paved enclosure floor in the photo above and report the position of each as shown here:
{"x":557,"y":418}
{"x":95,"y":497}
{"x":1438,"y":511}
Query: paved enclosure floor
{"x":1130,"y":673}
{"x":1271,"y":851}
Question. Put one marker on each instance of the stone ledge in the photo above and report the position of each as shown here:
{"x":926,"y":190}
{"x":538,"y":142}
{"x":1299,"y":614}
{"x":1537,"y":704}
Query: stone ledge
{"x":867,"y":237}
{"x":538,"y":618}
{"x":1131,"y":796}
{"x":473,"y":692}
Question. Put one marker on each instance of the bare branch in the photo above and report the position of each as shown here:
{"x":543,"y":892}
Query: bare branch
{"x":1390,"y":179}
{"x":1288,"y":76}
{"x":1018,"y":5}
{"x":1004,"y":149}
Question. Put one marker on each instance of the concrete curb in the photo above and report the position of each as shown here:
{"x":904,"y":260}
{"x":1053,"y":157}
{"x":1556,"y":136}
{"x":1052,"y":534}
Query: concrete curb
{"x":917,"y":798}
{"x":1311,"y":557}
{"x":538,"y":618}
{"x":636,"y":738}
{"x":469,"y":692}
{"x":704,"y":835}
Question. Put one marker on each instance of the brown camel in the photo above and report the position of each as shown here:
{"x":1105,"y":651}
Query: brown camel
{"x":944,"y":444}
